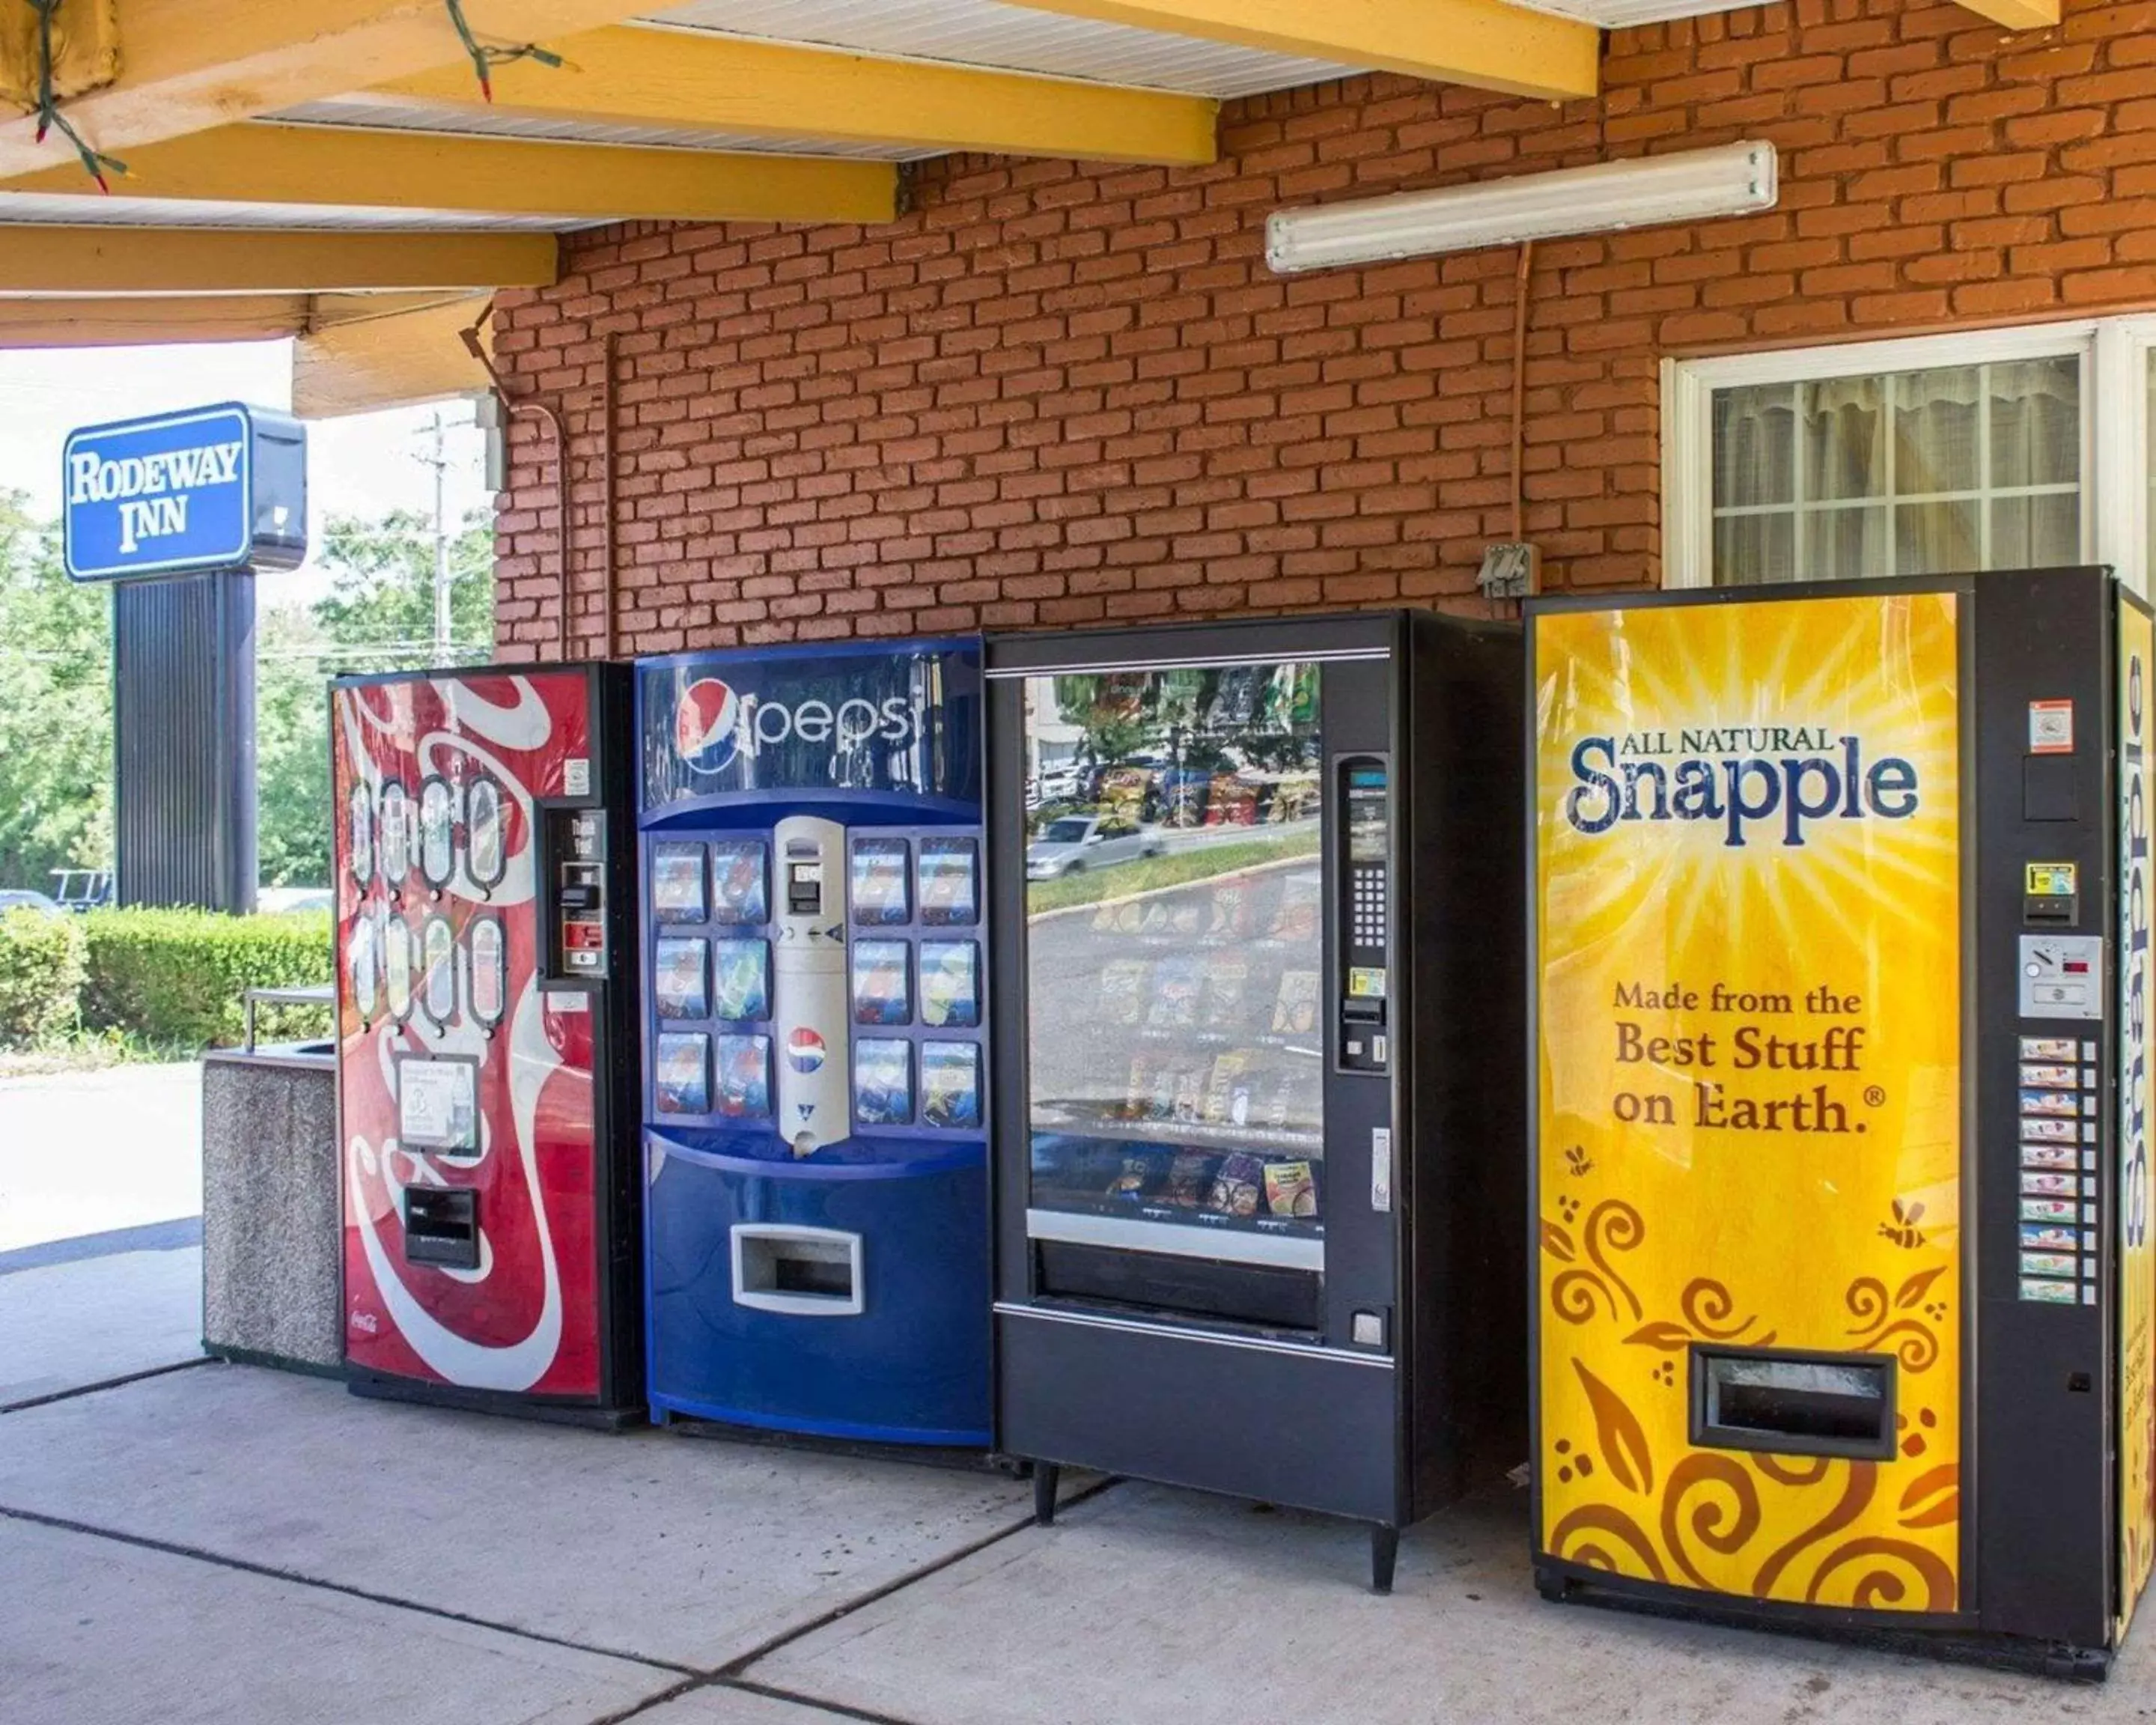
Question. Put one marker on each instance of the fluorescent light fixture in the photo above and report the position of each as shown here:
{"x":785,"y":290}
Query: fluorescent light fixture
{"x":1688,"y":186}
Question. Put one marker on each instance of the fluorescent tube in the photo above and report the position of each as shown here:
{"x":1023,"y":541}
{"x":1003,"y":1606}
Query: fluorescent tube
{"x":1686,"y":186}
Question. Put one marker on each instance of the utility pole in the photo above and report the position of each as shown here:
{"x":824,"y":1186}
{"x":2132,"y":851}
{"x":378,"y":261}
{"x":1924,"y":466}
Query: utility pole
{"x":440,"y":464}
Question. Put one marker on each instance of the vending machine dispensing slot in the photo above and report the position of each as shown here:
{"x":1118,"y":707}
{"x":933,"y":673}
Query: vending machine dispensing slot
{"x":1364,"y":911}
{"x":809,"y":1273}
{"x":441,"y":1226}
{"x":1792,"y":1404}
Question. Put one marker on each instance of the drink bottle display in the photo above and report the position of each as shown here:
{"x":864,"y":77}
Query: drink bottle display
{"x":485,"y":1019}
{"x":817,"y":1234}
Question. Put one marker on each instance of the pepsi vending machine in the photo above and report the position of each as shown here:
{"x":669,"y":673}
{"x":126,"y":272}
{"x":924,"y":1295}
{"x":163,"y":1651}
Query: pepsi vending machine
{"x":486,"y":1007}
{"x":815,"y":1150}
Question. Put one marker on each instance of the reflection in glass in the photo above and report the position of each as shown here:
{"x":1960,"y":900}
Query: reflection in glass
{"x":1175,"y":971}
{"x":397,"y":967}
{"x":437,"y":821}
{"x":395,"y":833}
{"x":489,"y":976}
{"x":360,"y":849}
{"x":361,"y":966}
{"x":439,"y":957}
{"x":485,"y":857}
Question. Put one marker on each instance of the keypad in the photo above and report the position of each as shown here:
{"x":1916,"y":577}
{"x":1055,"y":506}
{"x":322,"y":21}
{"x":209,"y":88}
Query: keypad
{"x":1366,"y":891}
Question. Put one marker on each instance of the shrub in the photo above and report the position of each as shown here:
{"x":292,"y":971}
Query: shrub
{"x":41,"y":976}
{"x":177,"y":978}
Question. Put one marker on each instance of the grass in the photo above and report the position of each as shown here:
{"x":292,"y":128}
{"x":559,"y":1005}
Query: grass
{"x":86,"y":1051}
{"x":1150,"y":874}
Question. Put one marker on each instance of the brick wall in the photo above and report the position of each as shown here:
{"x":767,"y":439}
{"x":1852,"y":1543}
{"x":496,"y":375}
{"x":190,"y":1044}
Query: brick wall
{"x":1056,"y":395}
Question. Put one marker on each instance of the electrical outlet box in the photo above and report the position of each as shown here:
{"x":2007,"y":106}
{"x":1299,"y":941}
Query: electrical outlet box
{"x":1511,"y":570}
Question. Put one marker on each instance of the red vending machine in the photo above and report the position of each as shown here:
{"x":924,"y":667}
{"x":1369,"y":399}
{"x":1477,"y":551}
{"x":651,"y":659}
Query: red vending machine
{"x":486,"y":1018}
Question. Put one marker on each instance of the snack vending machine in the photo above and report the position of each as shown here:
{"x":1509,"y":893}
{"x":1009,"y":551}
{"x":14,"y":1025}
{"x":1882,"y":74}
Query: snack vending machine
{"x":1257,"y":1099}
{"x":487,"y":1019}
{"x":1841,"y":925}
{"x":814,"y":1132}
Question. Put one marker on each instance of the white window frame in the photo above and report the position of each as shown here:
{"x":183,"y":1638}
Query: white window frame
{"x":2115,"y":432}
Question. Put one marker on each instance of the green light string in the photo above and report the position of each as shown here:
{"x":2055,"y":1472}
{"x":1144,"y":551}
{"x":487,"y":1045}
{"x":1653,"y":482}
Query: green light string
{"x":94,"y":163}
{"x":484,"y":56}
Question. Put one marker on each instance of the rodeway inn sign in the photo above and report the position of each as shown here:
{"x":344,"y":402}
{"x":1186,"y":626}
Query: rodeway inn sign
{"x":223,"y":487}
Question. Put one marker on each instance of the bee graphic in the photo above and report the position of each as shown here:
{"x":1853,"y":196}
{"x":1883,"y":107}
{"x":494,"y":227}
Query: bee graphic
{"x":1904,"y":1231}
{"x":1576,"y":1159}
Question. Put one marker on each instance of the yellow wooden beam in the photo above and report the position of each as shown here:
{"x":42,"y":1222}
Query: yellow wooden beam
{"x":1484,"y":42}
{"x":697,"y":79}
{"x":2017,"y":15}
{"x":361,"y":363}
{"x":150,"y":322}
{"x":186,"y":65}
{"x":341,"y":165}
{"x":35,"y":260}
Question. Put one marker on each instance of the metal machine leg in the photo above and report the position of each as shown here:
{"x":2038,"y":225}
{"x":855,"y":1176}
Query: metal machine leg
{"x":1385,"y":1552}
{"x":1047,"y":1476}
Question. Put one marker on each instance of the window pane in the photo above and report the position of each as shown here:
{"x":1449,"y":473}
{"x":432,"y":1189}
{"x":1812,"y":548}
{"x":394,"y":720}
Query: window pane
{"x":1922,"y":454}
{"x":1844,"y":444}
{"x":1754,"y":446}
{"x":2035,"y":421}
{"x":1937,"y":426}
{"x":2041,"y":532}
{"x":1843,"y":544}
{"x":1752,"y":550}
{"x":1936,"y":538}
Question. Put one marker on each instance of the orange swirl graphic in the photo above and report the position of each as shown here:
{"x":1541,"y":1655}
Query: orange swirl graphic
{"x":1616,"y":1224}
{"x":1571,"y":1296}
{"x":1708,"y":1306}
{"x":1706,"y":1516}
{"x":1863,"y":1481}
{"x":1602,"y":1518}
{"x":1881,"y":1587}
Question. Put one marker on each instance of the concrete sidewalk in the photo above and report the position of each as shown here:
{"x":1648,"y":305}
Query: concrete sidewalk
{"x":221,"y":1543}
{"x":231,"y":1544}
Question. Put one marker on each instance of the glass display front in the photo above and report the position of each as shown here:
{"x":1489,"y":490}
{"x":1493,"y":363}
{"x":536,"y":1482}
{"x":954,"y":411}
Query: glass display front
{"x":1174,"y":973}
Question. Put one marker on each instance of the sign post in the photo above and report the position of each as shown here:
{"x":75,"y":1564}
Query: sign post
{"x":178,"y":512}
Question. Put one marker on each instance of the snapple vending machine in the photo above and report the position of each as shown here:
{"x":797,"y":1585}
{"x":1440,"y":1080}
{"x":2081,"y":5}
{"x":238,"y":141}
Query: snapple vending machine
{"x":814,"y":1123}
{"x":1841,"y":901}
{"x":486,"y":1026}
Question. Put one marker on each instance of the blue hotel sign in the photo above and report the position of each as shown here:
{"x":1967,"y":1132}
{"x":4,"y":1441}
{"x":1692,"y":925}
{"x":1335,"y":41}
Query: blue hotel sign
{"x":212,"y":488}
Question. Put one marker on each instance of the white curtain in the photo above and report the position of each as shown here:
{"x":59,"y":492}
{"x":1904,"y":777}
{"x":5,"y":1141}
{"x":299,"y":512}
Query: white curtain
{"x":1960,"y":435}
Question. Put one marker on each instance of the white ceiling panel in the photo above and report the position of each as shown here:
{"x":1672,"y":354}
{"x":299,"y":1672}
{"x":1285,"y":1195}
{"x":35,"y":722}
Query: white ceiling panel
{"x":94,"y":211}
{"x":365,"y":111}
{"x":981,"y":32}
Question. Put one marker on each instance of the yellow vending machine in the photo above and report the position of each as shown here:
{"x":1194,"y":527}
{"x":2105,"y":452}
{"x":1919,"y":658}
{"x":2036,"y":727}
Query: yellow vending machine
{"x":1841,"y":922}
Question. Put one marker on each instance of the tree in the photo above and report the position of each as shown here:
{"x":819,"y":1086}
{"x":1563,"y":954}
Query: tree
{"x":55,"y":709}
{"x":378,"y":615}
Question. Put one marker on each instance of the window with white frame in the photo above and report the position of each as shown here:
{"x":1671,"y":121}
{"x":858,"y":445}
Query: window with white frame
{"x":1995,"y":450}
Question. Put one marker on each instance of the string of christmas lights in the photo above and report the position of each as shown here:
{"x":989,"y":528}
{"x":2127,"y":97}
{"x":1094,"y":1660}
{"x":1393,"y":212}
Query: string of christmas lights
{"x":95,"y":162}
{"x":487,"y":56}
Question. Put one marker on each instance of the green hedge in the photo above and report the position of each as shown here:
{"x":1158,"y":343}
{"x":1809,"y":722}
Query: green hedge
{"x":42,"y":965}
{"x":179,"y":978}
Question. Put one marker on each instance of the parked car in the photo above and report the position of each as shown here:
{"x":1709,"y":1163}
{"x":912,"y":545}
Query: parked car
{"x":284,"y":901}
{"x":1072,"y":842}
{"x":22,"y":899}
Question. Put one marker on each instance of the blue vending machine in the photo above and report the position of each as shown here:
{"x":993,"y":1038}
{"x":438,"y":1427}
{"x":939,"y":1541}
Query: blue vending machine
{"x":816,"y":1205}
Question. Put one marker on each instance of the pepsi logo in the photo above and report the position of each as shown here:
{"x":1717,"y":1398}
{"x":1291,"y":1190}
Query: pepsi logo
{"x":804,"y":1050}
{"x":707,"y":725}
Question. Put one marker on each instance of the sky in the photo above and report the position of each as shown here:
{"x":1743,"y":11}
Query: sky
{"x":367,"y":465}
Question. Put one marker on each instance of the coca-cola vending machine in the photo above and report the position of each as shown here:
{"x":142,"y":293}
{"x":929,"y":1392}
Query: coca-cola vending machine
{"x":486,"y":1018}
